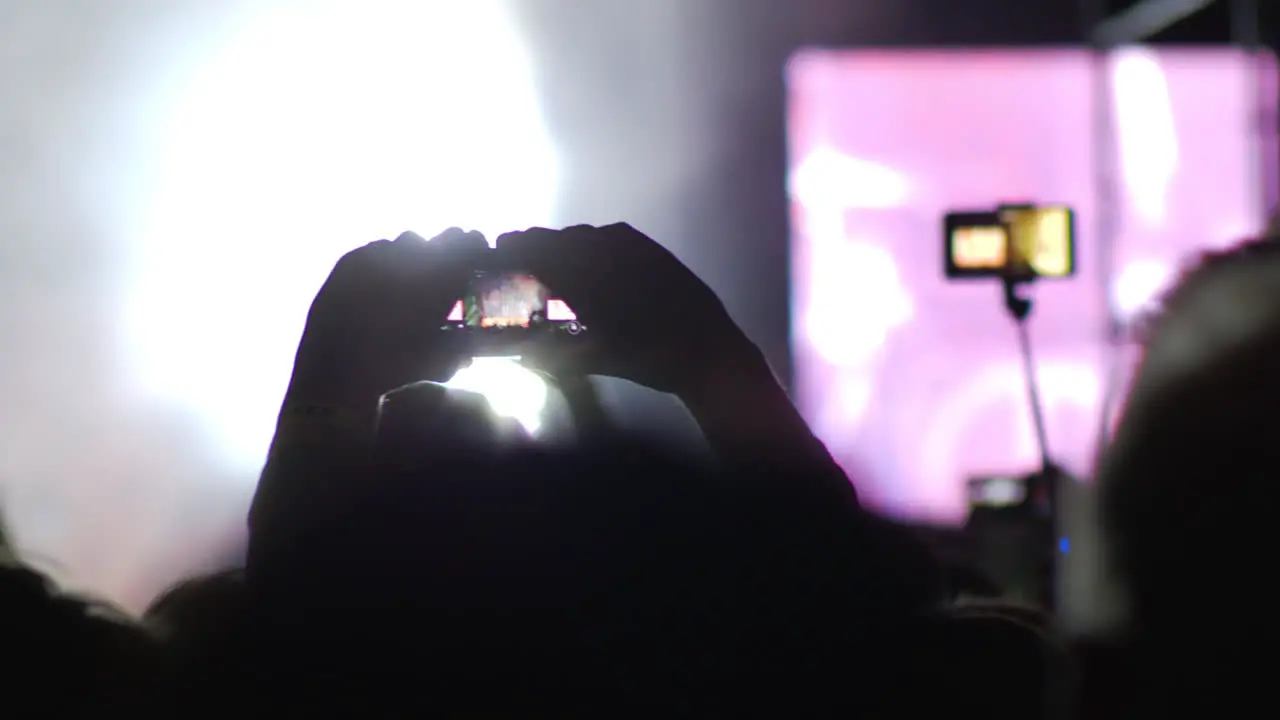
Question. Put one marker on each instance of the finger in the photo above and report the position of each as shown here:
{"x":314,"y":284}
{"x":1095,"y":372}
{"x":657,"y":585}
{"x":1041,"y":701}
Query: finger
{"x":363,"y":253}
{"x":554,"y":256}
{"x":583,"y":244}
{"x":622,"y":227}
{"x":523,"y":242}
{"x":433,"y":414}
{"x":428,"y":277}
{"x":448,"y":233}
{"x":354,"y":266}
{"x":416,"y":255}
{"x":454,"y":252}
{"x":530,"y":251}
{"x":409,"y":236}
{"x":625,"y":236}
{"x":460,"y":241}
{"x":590,"y":261}
{"x":577,"y":358}
{"x":440,"y":284}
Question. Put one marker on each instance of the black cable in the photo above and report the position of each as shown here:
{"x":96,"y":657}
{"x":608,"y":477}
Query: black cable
{"x":1057,"y":694}
{"x":1033,"y":395}
{"x":1019,"y":308}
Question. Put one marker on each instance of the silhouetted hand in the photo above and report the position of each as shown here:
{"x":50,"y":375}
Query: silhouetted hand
{"x":374,"y":325}
{"x":649,"y":319}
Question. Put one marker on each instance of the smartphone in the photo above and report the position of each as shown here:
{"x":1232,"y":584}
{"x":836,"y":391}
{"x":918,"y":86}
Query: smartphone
{"x":508,"y":300}
{"x":1015,"y":241}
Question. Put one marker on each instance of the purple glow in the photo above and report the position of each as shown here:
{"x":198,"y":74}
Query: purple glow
{"x":915,"y":383}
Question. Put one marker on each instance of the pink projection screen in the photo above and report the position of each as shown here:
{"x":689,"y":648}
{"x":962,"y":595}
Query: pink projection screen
{"x":915,"y":383}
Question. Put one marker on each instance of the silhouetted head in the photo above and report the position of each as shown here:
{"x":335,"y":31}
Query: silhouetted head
{"x":476,"y":571}
{"x":1188,"y":484}
{"x":70,"y":656}
{"x":528,"y":577}
{"x":197,"y":611}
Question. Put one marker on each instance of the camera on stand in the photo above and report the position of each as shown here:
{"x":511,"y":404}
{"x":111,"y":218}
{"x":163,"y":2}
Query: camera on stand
{"x":1021,"y":242}
{"x":1013,"y":524}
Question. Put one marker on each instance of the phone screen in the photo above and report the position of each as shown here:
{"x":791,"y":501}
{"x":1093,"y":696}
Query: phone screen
{"x":1041,"y":240}
{"x":501,"y":301}
{"x":508,"y":300}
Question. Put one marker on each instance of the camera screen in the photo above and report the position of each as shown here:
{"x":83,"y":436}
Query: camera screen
{"x":981,"y":247}
{"x":510,"y":300}
{"x":976,"y":244}
{"x":1018,"y":241}
{"x":1040,"y":240}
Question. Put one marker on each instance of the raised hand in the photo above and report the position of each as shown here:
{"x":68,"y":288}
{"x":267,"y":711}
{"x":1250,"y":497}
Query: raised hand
{"x":649,"y":318}
{"x":374,"y":325}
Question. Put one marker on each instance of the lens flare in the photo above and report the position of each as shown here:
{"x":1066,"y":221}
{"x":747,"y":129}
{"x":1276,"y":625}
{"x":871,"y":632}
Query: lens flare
{"x":512,"y":390}
{"x":307,"y":130}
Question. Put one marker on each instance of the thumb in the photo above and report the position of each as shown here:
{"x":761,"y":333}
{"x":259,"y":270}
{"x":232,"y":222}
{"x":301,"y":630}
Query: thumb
{"x":456,"y":239}
{"x":564,"y":360}
{"x":544,"y":253}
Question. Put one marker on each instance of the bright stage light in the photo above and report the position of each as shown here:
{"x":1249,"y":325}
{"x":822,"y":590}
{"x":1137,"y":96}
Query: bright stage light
{"x":512,"y":390}
{"x":308,"y":129}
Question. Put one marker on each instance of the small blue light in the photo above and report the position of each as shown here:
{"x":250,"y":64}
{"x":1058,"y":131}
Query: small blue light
{"x":1064,"y":545}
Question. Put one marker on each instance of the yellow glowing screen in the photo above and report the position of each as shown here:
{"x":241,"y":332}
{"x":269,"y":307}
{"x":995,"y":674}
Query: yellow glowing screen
{"x":1040,"y":240}
{"x":979,"y":248}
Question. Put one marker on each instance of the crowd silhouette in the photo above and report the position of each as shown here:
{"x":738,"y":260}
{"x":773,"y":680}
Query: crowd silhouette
{"x":410,"y":554}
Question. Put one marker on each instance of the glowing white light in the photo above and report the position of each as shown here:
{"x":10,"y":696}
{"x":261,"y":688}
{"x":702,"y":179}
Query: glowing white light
{"x":1138,"y":286}
{"x":856,"y":298}
{"x":512,"y":390}
{"x":828,"y":178}
{"x":853,"y":393}
{"x":317,"y":127}
{"x":1148,"y":139}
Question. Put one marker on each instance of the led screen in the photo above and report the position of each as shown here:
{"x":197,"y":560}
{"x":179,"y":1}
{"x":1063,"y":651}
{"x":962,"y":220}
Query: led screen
{"x":916,"y":383}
